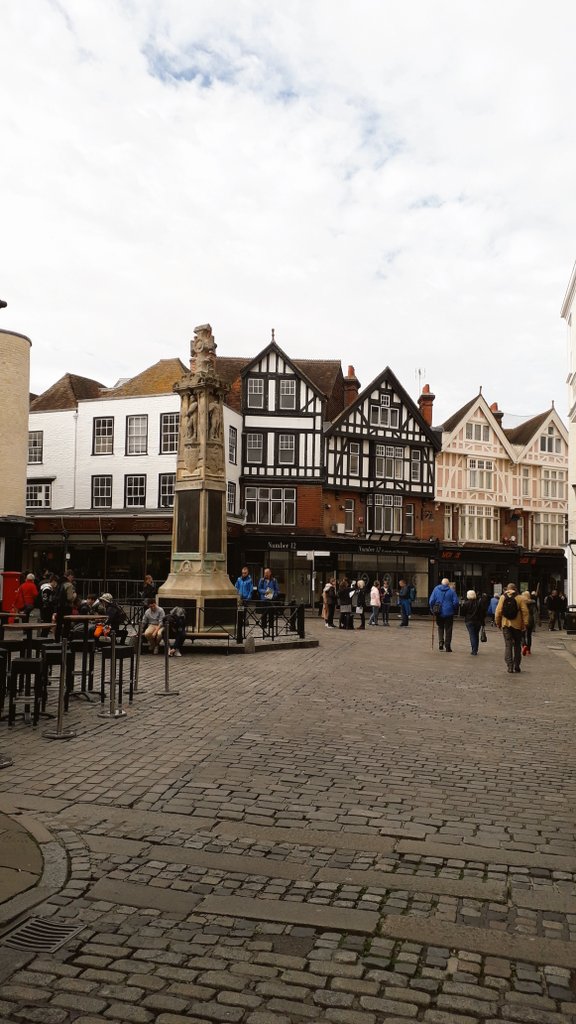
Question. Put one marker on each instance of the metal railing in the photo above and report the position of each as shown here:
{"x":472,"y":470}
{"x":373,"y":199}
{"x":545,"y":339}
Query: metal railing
{"x":270,"y":623}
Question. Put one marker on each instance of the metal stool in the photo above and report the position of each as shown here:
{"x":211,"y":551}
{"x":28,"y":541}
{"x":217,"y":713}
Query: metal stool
{"x":24,"y":669}
{"x":4,"y":664}
{"x":52,"y":656}
{"x":87,"y":650}
{"x":122,"y":654}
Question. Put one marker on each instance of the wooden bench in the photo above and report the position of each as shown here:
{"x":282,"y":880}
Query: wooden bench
{"x":209,"y":634}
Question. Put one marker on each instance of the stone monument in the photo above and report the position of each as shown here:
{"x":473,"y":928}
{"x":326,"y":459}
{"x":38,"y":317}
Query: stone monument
{"x":198,"y":578}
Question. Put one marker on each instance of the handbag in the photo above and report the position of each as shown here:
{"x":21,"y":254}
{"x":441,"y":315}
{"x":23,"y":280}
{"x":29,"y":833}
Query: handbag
{"x":436,"y":609}
{"x":483,"y":637}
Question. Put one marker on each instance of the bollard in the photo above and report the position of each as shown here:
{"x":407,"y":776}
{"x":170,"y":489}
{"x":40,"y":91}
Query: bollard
{"x":167,"y":692}
{"x":138,"y":651}
{"x":249,"y":645}
{"x":113,"y":712}
{"x":240,"y":624}
{"x":60,"y":733}
{"x":300,"y":621}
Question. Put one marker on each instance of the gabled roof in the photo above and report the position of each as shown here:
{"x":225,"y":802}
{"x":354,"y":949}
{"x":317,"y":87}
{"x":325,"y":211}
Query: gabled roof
{"x":325,"y":375}
{"x":404,"y":397}
{"x":449,"y":425}
{"x":66,"y":393}
{"x":525,"y":432}
{"x":158,"y":379}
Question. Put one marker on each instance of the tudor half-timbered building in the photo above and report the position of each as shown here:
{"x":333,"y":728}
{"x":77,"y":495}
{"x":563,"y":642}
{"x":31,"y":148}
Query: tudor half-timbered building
{"x":380,"y":455}
{"x":501,"y":499}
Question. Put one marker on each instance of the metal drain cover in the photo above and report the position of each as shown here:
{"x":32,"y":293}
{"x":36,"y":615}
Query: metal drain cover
{"x":41,"y":934}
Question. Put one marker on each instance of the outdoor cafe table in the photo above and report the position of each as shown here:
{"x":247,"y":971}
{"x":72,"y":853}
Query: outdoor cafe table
{"x":5,"y":618}
{"x":87,"y":670}
{"x":27,"y":628}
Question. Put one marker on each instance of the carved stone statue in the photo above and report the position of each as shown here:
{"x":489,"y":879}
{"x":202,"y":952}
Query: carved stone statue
{"x":214,"y":421}
{"x":191,"y":420}
{"x":203,"y":350}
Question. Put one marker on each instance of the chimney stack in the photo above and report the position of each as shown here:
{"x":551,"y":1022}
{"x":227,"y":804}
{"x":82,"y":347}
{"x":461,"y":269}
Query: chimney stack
{"x":497,"y":413}
{"x":426,"y":401}
{"x":351,"y":387}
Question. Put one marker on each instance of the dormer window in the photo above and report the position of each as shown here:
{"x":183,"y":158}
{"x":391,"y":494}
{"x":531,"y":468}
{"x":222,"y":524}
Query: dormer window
{"x":382,"y":415}
{"x":551,"y":442}
{"x":477,"y":432}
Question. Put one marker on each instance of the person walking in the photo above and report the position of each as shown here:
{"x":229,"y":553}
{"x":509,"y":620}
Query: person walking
{"x":512,"y":618}
{"x":553,"y":607}
{"x":473,"y":611}
{"x":527,"y":637}
{"x":443,"y":604}
{"x":375,"y":603}
{"x":385,"y":602}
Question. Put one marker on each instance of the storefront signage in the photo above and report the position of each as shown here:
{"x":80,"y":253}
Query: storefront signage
{"x":454,"y":555}
{"x":281,"y":545}
{"x":368,"y":549}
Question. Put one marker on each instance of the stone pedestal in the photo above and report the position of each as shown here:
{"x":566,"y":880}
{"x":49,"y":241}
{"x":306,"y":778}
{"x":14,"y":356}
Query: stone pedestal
{"x":198,"y":579}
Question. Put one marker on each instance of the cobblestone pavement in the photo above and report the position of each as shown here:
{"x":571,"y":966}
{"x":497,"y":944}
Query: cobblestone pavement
{"x":366,"y":831}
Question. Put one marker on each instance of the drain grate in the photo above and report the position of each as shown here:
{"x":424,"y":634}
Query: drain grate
{"x":42,"y":935}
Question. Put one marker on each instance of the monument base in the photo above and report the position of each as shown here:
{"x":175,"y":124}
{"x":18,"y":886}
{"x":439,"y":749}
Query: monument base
{"x":210,"y":601}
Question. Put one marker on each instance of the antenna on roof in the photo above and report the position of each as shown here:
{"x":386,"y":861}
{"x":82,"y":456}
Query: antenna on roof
{"x":419,"y":374}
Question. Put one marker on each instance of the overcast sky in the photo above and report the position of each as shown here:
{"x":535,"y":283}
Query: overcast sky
{"x":385,"y":183}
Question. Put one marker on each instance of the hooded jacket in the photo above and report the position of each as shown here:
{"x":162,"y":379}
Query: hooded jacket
{"x":446,"y":598}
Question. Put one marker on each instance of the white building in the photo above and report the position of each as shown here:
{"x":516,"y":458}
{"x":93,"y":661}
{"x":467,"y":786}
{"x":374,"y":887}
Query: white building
{"x":568,"y":313}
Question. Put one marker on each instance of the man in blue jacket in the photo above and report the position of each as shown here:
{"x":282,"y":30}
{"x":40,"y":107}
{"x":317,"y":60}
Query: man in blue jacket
{"x":244,"y":585}
{"x":444,"y":605}
{"x":268,"y":591}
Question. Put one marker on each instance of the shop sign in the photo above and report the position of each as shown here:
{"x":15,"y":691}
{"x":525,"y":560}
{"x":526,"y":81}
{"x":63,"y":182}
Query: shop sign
{"x":281,"y":545}
{"x":454,"y":555}
{"x":368,"y":549}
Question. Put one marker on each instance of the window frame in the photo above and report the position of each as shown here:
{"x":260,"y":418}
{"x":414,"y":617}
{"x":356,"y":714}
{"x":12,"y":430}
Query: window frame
{"x":281,"y":439}
{"x":131,"y":477}
{"x":252,"y":390}
{"x":251,"y":447}
{"x":282,"y":406}
{"x":46,"y":500}
{"x":100,"y":476}
{"x":166,"y":492}
{"x":231,"y":497}
{"x":96,"y":436}
{"x":232,"y":445}
{"x":354,"y":451}
{"x":349,"y":515}
{"x":38,"y":449}
{"x":264,"y":503}
{"x":167,"y":434}
{"x":131,"y":437}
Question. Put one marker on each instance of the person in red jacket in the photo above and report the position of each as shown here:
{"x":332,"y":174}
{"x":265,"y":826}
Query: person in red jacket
{"x":26,"y":596}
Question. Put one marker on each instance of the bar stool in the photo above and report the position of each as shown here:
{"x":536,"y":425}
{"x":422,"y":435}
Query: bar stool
{"x":87,"y":651}
{"x":22,"y":670}
{"x":122,"y":654}
{"x":51,"y":657}
{"x":4,"y":665}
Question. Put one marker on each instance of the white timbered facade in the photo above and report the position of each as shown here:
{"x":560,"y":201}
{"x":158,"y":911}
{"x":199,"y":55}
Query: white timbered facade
{"x":382,"y":453}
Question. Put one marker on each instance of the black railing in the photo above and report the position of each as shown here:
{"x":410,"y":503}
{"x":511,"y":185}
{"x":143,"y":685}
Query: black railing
{"x":270,"y":622}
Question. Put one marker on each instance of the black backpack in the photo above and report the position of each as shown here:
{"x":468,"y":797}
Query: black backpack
{"x":510,"y":607}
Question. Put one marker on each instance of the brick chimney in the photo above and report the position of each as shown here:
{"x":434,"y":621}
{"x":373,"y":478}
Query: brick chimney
{"x":426,"y":401}
{"x":497,"y":413}
{"x":351,"y":387}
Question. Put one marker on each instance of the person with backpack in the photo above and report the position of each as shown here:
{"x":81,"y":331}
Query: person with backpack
{"x":527,"y":638}
{"x":64,"y":597}
{"x":47,"y":592}
{"x":512,"y":618}
{"x":443,"y":604}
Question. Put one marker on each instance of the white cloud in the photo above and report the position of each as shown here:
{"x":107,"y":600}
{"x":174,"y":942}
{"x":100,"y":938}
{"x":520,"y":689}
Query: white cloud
{"x":393,"y":188}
